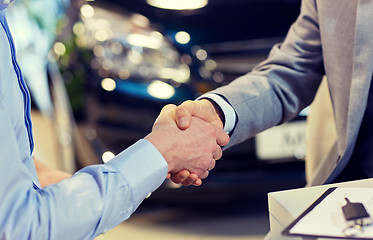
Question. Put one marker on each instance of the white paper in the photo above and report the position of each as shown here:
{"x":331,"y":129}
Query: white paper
{"x":327,"y":218}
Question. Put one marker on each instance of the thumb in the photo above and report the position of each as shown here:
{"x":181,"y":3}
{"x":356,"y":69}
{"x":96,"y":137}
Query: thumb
{"x":183,"y":115}
{"x":202,"y":109}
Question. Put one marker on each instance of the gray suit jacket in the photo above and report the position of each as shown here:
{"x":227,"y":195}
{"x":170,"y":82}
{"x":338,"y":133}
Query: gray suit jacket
{"x":332,"y":37}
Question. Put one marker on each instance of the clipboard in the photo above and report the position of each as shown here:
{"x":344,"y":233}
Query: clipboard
{"x":289,"y":230}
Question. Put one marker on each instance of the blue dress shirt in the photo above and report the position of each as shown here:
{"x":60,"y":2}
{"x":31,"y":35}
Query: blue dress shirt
{"x":92,"y":201}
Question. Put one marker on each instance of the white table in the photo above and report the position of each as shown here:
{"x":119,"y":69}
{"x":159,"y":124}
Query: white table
{"x":286,"y":206}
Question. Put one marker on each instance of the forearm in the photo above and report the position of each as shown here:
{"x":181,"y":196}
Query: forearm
{"x":48,"y":175}
{"x":92,"y":201}
{"x":282,"y":85}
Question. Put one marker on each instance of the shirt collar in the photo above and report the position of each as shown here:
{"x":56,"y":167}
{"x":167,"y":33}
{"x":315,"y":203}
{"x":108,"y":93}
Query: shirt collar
{"x":4,"y":4}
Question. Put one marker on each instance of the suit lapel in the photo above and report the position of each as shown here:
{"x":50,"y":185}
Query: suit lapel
{"x":338,"y":23}
{"x":347,"y":33}
{"x":362,"y":69}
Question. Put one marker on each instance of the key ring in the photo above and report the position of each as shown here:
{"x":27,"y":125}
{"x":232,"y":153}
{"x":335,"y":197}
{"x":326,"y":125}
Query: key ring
{"x":353,"y":230}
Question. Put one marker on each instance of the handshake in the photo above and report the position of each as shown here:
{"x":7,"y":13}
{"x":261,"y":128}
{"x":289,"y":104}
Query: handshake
{"x":190,"y":138}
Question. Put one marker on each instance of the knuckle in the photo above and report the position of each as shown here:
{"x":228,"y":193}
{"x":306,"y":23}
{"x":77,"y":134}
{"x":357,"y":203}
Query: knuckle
{"x":187,"y":102}
{"x":213,"y":164}
{"x":170,"y":106}
{"x":180,"y":110}
{"x":206,"y":162}
{"x":210,"y":132}
{"x":210,"y":163}
{"x":205,"y":175}
{"x":212,"y":147}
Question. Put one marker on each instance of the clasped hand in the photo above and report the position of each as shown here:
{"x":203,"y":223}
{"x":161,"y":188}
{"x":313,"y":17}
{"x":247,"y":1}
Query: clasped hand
{"x":189,"y":137}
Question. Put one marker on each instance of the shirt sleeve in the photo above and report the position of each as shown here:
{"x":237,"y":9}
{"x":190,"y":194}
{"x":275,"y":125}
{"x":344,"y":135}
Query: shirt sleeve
{"x":227,"y":109}
{"x":92,"y":201}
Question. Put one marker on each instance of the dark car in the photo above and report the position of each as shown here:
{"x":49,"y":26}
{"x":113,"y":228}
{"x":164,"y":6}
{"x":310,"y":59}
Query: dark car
{"x":120,"y":68}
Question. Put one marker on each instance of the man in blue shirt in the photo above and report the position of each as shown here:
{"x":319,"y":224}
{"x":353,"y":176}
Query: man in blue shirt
{"x":95,"y":198}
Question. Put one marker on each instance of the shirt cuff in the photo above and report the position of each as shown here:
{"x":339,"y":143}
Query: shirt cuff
{"x":228,"y":111}
{"x":143,"y":167}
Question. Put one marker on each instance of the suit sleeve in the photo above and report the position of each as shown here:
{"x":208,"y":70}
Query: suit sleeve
{"x":284,"y":84}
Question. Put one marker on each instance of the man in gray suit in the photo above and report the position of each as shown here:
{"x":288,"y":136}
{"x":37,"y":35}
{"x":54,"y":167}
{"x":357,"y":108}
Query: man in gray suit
{"x":330,"y":38}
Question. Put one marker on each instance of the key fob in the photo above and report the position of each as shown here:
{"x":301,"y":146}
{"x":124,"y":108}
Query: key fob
{"x":354,"y":210}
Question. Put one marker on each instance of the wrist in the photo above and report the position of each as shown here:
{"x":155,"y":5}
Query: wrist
{"x":219,"y":112}
{"x":227,"y":114}
{"x":160,"y":144}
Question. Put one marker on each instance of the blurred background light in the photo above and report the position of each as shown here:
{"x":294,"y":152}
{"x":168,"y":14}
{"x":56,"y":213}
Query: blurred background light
{"x":186,"y":59}
{"x":107,"y":64}
{"x":87,"y":11}
{"x":90,"y":133}
{"x":161,"y":90}
{"x":108,"y":84}
{"x":124,"y":73}
{"x":182,"y":37}
{"x":157,"y":35}
{"x":107,"y":156}
{"x":201,"y":54}
{"x":79,"y":28}
{"x":116,"y":48}
{"x":102,"y":35}
{"x":178,"y":4}
{"x":140,"y":20}
{"x":98,"y":51}
{"x":135,"y":57}
{"x":210,"y":64}
{"x":141,"y":40}
{"x":59,"y":48}
{"x":300,"y":153}
{"x":181,"y":75}
{"x":81,"y":41}
{"x":218,"y":77}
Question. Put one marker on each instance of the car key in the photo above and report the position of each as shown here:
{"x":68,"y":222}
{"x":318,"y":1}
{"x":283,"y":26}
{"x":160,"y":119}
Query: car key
{"x":354,"y":211}
{"x":356,"y":216}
